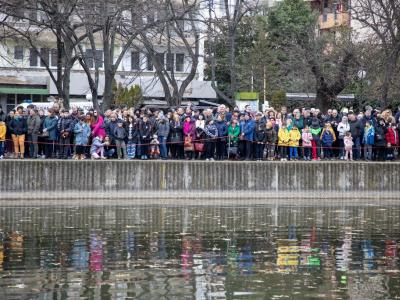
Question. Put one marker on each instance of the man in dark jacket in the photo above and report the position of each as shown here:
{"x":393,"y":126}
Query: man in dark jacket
{"x":357,"y":131}
{"x":162,"y":133}
{"x":65,"y":127}
{"x":145,"y":130}
{"x":34,"y":124}
{"x":260,"y":137}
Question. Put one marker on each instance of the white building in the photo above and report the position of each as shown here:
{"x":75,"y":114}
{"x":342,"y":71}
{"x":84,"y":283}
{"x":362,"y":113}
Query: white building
{"x":24,"y":77}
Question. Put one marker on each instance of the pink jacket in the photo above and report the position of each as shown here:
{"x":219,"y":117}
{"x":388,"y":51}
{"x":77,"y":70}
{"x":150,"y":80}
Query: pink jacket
{"x":97,"y":129}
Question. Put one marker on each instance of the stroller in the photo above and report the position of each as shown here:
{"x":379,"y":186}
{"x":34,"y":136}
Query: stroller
{"x":232,"y":148}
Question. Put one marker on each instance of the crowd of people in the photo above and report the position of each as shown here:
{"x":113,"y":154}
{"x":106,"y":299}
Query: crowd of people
{"x":209,"y":134}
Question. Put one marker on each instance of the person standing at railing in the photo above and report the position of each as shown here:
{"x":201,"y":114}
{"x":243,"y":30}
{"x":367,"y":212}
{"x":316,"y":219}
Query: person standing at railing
{"x":248,"y":134}
{"x":50,"y":133}
{"x":19,"y":128}
{"x":3,"y":131}
{"x":211,"y":132}
{"x":33,"y":123}
{"x":222,"y":128}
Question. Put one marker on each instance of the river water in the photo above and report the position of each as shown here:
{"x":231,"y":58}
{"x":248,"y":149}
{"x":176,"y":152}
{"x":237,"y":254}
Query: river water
{"x":200,"y":252}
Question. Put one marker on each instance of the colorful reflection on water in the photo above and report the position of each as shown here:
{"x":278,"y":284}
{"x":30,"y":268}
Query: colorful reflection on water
{"x":207,"y":252}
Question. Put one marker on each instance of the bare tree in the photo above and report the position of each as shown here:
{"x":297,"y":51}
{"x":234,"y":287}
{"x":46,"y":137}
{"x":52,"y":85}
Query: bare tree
{"x":47,"y":20}
{"x":178,"y":29}
{"x":219,"y":25}
{"x":380,"y":20}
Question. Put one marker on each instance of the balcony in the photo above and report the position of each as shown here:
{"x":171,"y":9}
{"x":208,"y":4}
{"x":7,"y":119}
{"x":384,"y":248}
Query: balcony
{"x":333,"y":20}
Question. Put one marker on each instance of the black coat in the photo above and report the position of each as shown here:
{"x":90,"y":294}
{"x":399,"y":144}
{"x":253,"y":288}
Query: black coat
{"x":145,"y":130}
{"x":18,"y":127}
{"x":356,"y":129}
{"x":380,"y":132}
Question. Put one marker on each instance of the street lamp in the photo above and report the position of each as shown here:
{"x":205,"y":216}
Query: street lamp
{"x":361,"y":75}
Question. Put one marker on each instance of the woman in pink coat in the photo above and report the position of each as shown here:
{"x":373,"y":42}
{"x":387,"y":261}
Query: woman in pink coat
{"x":97,"y":125}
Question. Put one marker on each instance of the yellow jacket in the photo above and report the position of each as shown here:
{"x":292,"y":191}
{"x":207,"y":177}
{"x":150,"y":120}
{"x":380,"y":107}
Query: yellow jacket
{"x":295,"y":136}
{"x":283,"y":137}
{"x":3,"y":131}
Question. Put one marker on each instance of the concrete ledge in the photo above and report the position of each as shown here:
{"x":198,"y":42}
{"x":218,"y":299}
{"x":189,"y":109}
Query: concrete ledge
{"x":42,"y":179}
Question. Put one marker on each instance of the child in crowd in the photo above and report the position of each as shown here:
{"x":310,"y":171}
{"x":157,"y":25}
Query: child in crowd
{"x":82,"y":133}
{"x":109,"y":150}
{"x":307,"y":138}
{"x":348,"y":146}
{"x":315,"y":130}
{"x":294,"y":136}
{"x":271,"y":141}
{"x":154,"y":148}
{"x":392,"y":138}
{"x":3,"y":130}
{"x":283,"y":141}
{"x":120,"y":135}
{"x":328,"y":138}
{"x":97,"y":148}
{"x":368,"y":140}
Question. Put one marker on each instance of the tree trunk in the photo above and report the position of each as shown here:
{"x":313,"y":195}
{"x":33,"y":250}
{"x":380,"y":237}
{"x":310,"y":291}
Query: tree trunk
{"x":389,"y":73}
{"x":232,"y":61}
{"x":323,"y":99}
{"x":107,"y":93}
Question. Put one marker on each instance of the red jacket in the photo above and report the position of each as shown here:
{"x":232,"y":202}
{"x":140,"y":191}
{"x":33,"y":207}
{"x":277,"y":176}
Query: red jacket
{"x":392,"y":136}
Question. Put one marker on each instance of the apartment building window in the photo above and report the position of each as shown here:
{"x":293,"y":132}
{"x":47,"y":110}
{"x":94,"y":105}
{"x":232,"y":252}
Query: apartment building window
{"x":18,"y":52}
{"x":44,"y":53}
{"x":33,"y":58}
{"x":170,"y":61}
{"x":180,"y":59}
{"x":135,"y":61}
{"x":54,"y":57}
{"x":95,"y":60}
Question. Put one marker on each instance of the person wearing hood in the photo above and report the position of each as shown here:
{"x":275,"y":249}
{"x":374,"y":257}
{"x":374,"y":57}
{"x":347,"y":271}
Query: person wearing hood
{"x":328,"y":138}
{"x":283,"y":141}
{"x":82,"y":134}
{"x":342,"y":128}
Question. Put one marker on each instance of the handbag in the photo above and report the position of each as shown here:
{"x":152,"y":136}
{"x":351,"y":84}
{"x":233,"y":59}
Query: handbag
{"x":199,"y":147}
{"x":45,"y":134}
{"x":188,"y":145}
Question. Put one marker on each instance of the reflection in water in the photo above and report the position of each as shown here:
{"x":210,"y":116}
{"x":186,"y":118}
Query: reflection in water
{"x":215,"y":252}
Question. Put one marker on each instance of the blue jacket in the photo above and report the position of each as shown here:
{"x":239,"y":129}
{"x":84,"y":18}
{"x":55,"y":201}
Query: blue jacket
{"x":82,"y":133}
{"x":50,"y":124}
{"x":369,"y":136}
{"x":222,"y":128}
{"x":248,"y":129}
{"x":327,"y":138}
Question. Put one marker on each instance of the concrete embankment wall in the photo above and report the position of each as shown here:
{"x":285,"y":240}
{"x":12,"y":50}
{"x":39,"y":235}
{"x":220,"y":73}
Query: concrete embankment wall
{"x":32,"y":176}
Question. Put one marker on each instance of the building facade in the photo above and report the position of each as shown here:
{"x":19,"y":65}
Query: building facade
{"x":23,"y":75}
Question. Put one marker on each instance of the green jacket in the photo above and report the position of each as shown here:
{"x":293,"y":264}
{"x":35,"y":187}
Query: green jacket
{"x":234,"y":133}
